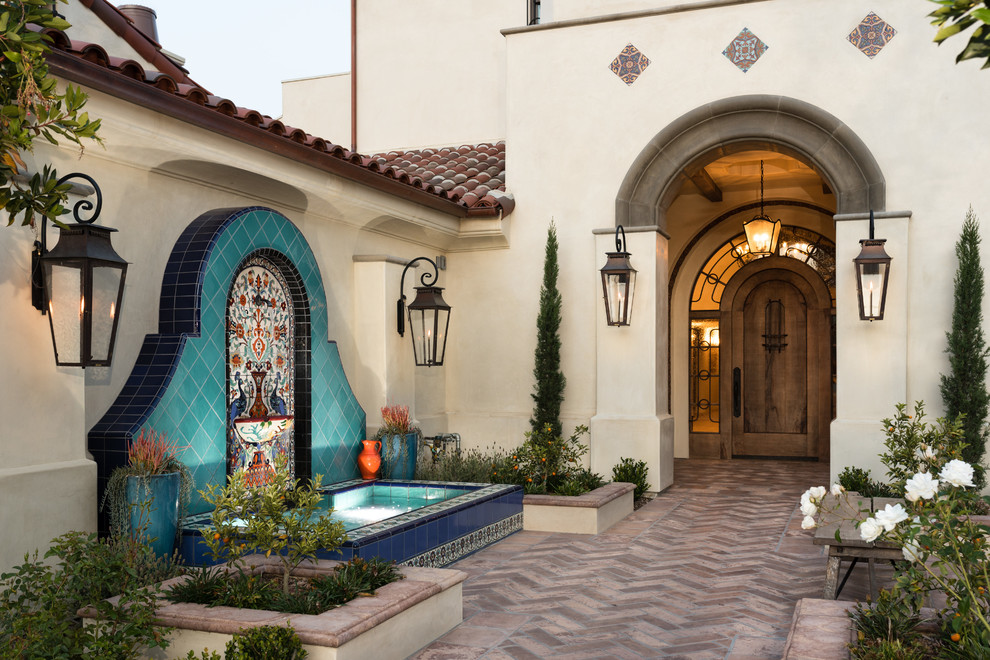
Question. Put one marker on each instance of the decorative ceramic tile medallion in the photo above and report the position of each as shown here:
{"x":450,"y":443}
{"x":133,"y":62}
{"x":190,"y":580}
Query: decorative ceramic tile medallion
{"x":745,"y":49}
{"x":260,"y":371}
{"x":871,"y":35}
{"x":629,"y":64}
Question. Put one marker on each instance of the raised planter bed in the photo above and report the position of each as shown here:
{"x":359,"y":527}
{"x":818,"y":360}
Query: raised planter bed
{"x":591,"y":513}
{"x":398,"y":620}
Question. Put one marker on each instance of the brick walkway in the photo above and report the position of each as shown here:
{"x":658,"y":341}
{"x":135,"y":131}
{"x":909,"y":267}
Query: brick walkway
{"x":712,"y":568}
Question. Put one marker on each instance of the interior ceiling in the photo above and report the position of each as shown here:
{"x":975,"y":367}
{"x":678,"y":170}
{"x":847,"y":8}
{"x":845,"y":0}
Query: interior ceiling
{"x":741,"y":172}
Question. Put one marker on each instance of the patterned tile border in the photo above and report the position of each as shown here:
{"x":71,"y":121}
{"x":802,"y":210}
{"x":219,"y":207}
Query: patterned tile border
{"x":459,"y":548}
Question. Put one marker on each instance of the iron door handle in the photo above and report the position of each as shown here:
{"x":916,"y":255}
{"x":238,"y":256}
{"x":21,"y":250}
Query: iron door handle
{"x":736,"y":392}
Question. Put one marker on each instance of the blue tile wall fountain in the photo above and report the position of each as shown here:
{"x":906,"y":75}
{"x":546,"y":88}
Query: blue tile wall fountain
{"x":179,"y":382}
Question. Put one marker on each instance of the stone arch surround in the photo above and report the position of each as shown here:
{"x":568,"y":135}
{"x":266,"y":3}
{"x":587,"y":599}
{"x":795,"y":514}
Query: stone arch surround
{"x":178,"y":382}
{"x":742,"y":123}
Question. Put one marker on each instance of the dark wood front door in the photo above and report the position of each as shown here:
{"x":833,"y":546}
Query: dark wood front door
{"x":776,"y":368}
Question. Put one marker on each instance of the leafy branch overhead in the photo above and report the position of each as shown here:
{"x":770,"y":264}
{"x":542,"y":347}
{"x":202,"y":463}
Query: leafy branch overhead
{"x":956,"y":16}
{"x":31,"y":106}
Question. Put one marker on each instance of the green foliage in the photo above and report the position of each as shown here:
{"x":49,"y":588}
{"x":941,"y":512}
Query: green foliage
{"x":889,"y":619}
{"x":956,"y":16}
{"x":215,"y":586}
{"x":581,"y":482}
{"x":633,"y":472}
{"x":39,"y":600}
{"x":550,"y":381}
{"x":964,"y":390}
{"x":546,"y":460}
{"x":207,"y":654}
{"x":467,"y":466}
{"x":265,"y":643}
{"x":857,"y":480}
{"x":909,"y":437}
{"x":31,"y":106}
{"x":282,"y":518}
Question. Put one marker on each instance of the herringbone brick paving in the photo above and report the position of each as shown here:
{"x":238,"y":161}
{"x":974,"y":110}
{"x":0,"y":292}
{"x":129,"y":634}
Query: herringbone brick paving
{"x":711,"y":568}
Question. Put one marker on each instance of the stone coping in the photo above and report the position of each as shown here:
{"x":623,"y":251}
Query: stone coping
{"x":591,"y":500}
{"x":332,"y":628}
{"x":820,"y":630}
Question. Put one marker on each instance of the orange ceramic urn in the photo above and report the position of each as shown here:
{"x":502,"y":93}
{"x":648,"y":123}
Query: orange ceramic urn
{"x":369,"y":459}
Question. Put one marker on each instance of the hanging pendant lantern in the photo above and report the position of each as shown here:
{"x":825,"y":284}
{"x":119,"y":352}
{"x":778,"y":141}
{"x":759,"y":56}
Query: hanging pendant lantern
{"x":762,"y":232}
{"x":618,"y":282}
{"x":872,"y":275}
{"x":429,"y":316}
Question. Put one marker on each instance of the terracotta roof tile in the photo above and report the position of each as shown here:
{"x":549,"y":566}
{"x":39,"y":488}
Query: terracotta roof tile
{"x":428,"y":170}
{"x":468,"y":171}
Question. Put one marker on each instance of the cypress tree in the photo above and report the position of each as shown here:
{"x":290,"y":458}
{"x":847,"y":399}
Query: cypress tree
{"x":964,"y":390}
{"x":550,"y":379}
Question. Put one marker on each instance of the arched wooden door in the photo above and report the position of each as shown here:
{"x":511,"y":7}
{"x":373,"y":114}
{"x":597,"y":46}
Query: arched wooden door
{"x":775,"y":362}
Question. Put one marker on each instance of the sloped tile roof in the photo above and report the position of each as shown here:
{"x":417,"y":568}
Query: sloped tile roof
{"x":475,"y":198}
{"x":470,"y":173}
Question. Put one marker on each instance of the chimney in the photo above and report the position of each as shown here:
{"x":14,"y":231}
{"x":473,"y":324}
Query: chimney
{"x":143,"y":18}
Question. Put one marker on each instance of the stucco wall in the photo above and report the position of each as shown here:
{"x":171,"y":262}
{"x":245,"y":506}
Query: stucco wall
{"x":430,"y":72}
{"x":320,"y":105}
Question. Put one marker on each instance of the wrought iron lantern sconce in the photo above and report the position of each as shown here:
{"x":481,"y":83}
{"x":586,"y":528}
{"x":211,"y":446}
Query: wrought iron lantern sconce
{"x":872,"y":276}
{"x":429,"y":316}
{"x":618,"y":282}
{"x":762,"y":233}
{"x":79,"y":284}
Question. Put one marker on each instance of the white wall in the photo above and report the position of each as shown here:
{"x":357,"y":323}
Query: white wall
{"x":320,"y":106}
{"x":431,"y":72}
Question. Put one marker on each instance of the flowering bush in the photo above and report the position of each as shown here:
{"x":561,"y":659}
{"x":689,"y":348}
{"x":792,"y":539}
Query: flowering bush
{"x":945,"y":549}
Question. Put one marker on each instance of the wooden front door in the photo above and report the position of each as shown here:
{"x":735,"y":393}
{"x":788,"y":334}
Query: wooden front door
{"x":776,"y":369}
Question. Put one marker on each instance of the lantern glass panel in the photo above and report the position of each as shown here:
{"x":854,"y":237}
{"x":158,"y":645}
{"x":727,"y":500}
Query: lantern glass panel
{"x":762,"y":234}
{"x":66,"y":305}
{"x":106,"y":287}
{"x":429,"y":334}
{"x":872,"y":276}
{"x":619,"y":290}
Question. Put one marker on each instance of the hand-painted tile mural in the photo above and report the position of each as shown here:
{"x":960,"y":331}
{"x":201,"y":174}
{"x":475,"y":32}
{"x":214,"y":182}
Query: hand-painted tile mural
{"x":187,"y":383}
{"x":260,"y":372}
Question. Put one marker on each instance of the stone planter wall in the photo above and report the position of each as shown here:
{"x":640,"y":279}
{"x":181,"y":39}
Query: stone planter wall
{"x":591,"y":513}
{"x":398,"y":620}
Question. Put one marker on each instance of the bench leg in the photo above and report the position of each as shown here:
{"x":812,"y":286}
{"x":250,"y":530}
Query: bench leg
{"x":831,"y":578}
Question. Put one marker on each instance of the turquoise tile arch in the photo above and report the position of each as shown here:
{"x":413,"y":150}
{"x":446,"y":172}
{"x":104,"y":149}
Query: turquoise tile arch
{"x":178,"y":383}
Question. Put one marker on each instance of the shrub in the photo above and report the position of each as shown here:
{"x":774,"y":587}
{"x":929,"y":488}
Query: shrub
{"x":282,"y":517}
{"x":546,"y":460}
{"x":39,"y":599}
{"x":858,"y":480}
{"x":265,"y":643}
{"x":549,"y":379}
{"x":633,"y":472}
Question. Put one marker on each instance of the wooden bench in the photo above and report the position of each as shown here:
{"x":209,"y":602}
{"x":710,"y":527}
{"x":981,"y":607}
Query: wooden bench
{"x":841,"y":514}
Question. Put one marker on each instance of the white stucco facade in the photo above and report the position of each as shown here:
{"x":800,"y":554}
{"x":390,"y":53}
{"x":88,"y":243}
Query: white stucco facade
{"x":577,"y":137}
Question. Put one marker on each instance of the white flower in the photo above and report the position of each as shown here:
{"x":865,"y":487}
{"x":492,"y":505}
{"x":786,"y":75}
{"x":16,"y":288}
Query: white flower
{"x":870,"y":529}
{"x":810,"y":500}
{"x":957,"y":473}
{"x":920,"y":487}
{"x":808,"y":523}
{"x":928,"y":452}
{"x":911,"y":551}
{"x":837,"y":489}
{"x":817,"y":493}
{"x":808,"y":507}
{"x":890,"y":516}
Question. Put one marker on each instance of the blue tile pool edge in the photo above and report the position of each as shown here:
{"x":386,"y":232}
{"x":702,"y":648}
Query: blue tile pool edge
{"x":434,"y":535}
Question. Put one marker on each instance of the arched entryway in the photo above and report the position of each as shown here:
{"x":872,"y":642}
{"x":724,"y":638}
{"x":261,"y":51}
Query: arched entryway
{"x":823,"y":169}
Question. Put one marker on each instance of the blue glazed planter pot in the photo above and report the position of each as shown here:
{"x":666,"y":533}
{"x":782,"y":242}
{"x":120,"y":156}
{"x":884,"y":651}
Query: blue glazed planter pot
{"x":399,"y":455}
{"x":154,"y":505}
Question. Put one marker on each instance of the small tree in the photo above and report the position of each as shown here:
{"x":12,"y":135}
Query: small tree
{"x":31,"y":106}
{"x":964,"y":390}
{"x":550,"y":379}
{"x":956,"y":16}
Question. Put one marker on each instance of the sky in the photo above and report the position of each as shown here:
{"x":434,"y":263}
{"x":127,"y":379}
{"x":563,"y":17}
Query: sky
{"x":242,"y":50}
